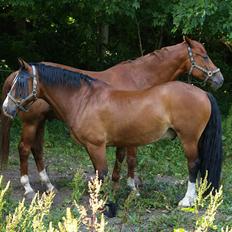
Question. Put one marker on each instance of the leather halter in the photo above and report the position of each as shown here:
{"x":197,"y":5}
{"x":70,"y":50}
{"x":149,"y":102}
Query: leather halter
{"x":32,"y":96}
{"x":209,"y":73}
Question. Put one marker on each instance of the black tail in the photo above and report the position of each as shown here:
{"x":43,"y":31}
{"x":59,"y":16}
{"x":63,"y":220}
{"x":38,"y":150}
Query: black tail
{"x":210,"y":146}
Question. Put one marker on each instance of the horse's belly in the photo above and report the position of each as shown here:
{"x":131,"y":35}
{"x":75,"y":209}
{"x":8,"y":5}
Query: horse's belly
{"x":139,"y":137}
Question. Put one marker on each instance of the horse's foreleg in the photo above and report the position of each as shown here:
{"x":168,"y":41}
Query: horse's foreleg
{"x":98,"y":157}
{"x":37,"y":151}
{"x":120,"y":155}
{"x":191,"y":152}
{"x":24,"y":147}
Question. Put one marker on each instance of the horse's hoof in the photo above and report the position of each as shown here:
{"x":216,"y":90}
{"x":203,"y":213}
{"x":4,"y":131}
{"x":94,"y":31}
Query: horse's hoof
{"x":187,"y":202}
{"x":53,"y":190}
{"x":29,"y":195}
{"x":138,"y":181}
{"x":111,"y":209}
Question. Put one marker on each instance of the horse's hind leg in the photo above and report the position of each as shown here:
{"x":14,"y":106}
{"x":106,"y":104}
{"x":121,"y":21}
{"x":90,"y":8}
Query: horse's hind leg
{"x":191,"y":152}
{"x":37,"y":151}
{"x":131,"y":164}
{"x":120,"y":155}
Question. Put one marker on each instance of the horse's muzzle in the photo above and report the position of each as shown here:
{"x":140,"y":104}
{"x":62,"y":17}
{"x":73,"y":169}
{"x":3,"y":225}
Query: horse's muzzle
{"x":9,"y":110}
{"x":9,"y":113}
{"x":217,"y":81}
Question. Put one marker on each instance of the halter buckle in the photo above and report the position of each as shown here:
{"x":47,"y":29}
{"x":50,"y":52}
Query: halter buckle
{"x":210,"y":73}
{"x":34,"y":93}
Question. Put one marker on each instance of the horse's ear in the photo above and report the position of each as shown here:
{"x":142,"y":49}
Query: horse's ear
{"x":23,"y":64}
{"x":20,"y":60}
{"x":187,"y":40}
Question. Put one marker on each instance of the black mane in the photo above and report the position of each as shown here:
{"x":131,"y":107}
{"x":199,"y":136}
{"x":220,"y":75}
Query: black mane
{"x":55,"y":76}
{"x":21,"y":86}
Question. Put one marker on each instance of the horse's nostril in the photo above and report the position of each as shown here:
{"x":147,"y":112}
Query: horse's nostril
{"x":222,"y":81}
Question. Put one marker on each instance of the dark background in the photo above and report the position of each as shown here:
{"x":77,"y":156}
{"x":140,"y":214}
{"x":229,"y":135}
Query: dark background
{"x":95,"y":35}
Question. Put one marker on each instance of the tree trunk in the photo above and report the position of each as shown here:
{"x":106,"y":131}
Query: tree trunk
{"x":104,"y":38}
{"x":139,"y":37}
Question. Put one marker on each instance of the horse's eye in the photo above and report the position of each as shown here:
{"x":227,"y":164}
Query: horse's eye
{"x":205,"y":57}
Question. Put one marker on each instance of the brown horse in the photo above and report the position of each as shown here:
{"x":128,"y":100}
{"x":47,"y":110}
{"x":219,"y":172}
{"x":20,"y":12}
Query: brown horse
{"x":153,"y":69}
{"x":98,"y":115}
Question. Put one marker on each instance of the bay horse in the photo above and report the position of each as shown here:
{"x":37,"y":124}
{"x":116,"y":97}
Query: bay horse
{"x":97,"y":116}
{"x":155,"y":68}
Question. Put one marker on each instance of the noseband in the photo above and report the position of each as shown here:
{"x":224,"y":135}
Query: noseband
{"x":208,"y":73}
{"x":32,"y":96}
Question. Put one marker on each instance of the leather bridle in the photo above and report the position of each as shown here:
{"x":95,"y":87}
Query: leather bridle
{"x":208,"y":73}
{"x":20,"y":104}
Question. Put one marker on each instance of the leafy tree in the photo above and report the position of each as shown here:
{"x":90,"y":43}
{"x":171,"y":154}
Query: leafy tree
{"x":95,"y":34}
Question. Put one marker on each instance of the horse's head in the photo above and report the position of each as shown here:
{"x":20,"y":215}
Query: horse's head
{"x":23,"y":90}
{"x":201,"y":66}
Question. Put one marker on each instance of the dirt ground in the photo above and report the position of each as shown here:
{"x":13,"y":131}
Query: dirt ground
{"x":12,"y":174}
{"x":62,"y":180}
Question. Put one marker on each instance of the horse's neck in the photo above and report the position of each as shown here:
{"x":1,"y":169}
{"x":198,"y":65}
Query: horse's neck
{"x":173,"y":63}
{"x":155,"y":68}
{"x":64,"y":101}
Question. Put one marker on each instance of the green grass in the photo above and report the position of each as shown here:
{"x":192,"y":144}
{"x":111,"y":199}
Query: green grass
{"x":162,"y":167}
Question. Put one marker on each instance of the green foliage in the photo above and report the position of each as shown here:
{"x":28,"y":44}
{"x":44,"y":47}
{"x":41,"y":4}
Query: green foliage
{"x":78,"y":185}
{"x":208,"y":204}
{"x":3,"y":191}
{"x":206,"y":221}
{"x":227,"y":135}
{"x":127,"y":206}
{"x":191,"y":15}
{"x":204,"y":17}
{"x":30,"y":219}
{"x":73,"y":31}
{"x":163,"y":169}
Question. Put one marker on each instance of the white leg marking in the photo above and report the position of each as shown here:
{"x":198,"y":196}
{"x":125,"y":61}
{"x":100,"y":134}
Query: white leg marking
{"x":131,"y":184}
{"x":26,"y":184}
{"x":190,"y":196}
{"x":44,"y":178}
